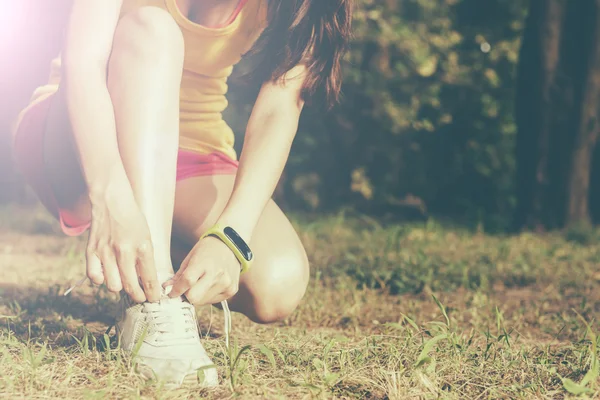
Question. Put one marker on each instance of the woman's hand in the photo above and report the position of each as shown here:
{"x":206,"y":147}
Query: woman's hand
{"x":208,"y":275}
{"x":119,"y":251}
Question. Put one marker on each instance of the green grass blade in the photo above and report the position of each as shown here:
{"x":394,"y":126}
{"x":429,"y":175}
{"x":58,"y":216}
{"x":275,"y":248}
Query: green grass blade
{"x":441,"y":306}
{"x":269,"y":354}
{"x":424,"y":356}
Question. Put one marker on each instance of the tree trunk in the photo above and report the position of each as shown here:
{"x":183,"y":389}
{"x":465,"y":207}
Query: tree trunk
{"x":586,"y":134}
{"x":558,"y":107}
{"x":539,"y":60}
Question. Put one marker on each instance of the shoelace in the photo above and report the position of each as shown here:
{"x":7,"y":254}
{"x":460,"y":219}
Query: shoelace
{"x":172,"y":320}
{"x":163,"y":319}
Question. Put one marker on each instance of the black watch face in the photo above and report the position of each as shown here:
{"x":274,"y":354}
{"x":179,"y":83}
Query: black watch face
{"x":239,"y":243}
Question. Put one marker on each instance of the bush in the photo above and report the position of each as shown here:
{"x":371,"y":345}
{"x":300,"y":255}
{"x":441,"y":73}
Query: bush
{"x":427,"y":112}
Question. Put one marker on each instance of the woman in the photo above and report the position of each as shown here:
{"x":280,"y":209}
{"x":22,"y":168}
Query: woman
{"x":128,"y":139}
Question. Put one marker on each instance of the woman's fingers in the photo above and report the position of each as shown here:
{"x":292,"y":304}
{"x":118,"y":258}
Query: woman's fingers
{"x":223,"y":289}
{"x":94,"y":268}
{"x":126,"y":259}
{"x":216,"y":298}
{"x":201,"y":296}
{"x":186,"y":280}
{"x":112,"y":276}
{"x":119,"y":270}
{"x":197,"y":294}
{"x":182,"y":268}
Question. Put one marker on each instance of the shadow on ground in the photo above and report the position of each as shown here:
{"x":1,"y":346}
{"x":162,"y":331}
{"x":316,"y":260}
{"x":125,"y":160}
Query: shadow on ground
{"x":51,"y":301}
{"x":46,"y":314}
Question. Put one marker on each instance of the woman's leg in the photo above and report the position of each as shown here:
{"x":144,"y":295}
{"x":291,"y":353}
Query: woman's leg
{"x":274,"y":286}
{"x":144,"y":77}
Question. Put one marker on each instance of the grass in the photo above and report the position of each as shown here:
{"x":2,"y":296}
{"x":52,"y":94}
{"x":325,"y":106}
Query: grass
{"x":392,"y":312}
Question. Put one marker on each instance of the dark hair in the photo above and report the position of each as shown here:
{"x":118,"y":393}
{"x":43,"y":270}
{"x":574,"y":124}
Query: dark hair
{"x":310,"y":32}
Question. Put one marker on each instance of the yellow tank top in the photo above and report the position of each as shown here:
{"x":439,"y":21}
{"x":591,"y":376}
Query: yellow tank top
{"x":210,"y":55}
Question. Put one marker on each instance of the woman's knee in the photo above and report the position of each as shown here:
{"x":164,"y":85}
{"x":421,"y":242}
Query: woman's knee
{"x":281,"y":289}
{"x":149,"y":33}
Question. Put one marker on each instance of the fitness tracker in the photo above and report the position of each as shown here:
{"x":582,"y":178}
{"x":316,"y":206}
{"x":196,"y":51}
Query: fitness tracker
{"x":236,"y":244}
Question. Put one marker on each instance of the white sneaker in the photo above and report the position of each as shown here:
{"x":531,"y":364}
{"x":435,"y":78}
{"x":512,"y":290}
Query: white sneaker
{"x":169,"y":343}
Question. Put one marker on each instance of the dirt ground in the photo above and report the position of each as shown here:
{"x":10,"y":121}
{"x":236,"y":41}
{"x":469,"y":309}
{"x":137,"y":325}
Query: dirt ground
{"x":391,"y":313}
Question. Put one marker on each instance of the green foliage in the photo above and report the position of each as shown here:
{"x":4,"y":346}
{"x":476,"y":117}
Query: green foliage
{"x":427,"y":111}
{"x":582,"y":233}
{"x":587,"y":384}
{"x":429,"y":258}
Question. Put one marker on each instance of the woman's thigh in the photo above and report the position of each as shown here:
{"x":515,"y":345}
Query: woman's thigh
{"x":274,"y":286}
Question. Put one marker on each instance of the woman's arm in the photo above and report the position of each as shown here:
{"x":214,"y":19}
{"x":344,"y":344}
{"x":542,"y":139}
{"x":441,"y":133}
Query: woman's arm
{"x":119,"y":237}
{"x":89,"y":39}
{"x":269,"y":136}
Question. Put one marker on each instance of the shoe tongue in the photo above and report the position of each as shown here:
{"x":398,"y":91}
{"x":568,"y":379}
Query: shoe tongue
{"x":170,"y":300}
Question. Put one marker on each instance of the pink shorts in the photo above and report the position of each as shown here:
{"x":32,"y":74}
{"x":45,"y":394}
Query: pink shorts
{"x":29,"y":157}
